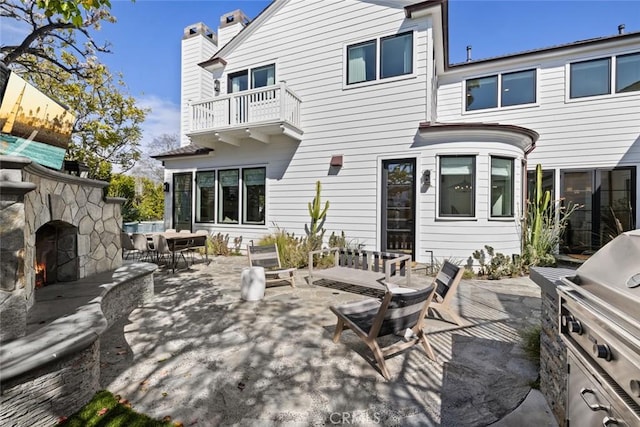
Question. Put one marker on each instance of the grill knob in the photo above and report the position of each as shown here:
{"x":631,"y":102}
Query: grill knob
{"x":602,"y":351}
{"x":575,"y":327}
{"x":634,"y":385}
{"x":609,"y":421}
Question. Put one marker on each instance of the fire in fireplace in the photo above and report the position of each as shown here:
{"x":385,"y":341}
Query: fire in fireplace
{"x":56,"y":253}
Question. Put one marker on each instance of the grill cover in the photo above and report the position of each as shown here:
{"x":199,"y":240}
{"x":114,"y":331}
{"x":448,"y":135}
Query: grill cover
{"x":612,"y":274}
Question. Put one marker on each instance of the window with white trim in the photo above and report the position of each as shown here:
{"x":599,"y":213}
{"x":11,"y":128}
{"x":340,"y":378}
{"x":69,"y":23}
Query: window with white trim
{"x":501,"y":90}
{"x":260,"y":77}
{"x":253,"y":181}
{"x":604,"y":76}
{"x":239,"y":190}
{"x":457,"y":186}
{"x":381,"y":58}
{"x":205,"y":196}
{"x":501,"y":187}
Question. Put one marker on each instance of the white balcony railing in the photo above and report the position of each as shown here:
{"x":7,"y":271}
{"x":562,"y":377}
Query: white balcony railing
{"x":265,"y":105}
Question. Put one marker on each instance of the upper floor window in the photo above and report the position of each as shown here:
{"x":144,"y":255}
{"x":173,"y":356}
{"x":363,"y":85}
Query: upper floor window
{"x":597,"y":76}
{"x":590,"y":78}
{"x":628,"y":73}
{"x":260,"y":77}
{"x":501,"y":90}
{"x":457,"y":186}
{"x":380,"y":58}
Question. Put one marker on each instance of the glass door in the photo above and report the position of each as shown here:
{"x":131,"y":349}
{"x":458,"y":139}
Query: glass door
{"x":398,"y":205}
{"x":182,"y":183}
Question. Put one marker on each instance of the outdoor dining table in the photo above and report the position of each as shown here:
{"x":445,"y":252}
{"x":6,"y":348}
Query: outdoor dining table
{"x":183,"y":241}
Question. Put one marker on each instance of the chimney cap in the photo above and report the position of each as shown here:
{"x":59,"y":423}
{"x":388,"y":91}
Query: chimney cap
{"x":621,"y":29}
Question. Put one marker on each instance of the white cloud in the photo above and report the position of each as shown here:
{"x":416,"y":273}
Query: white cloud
{"x":164,"y":118}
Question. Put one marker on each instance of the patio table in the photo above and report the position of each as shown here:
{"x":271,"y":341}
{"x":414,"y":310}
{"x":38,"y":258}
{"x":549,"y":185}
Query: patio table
{"x":183,"y":241}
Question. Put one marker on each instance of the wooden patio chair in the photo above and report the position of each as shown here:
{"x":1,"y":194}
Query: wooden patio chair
{"x":267,"y":256}
{"x":446,"y":283}
{"x":401,"y":311}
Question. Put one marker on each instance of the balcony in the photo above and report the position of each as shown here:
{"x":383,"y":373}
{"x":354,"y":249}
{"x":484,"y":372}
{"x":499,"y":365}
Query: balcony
{"x":260,"y":114}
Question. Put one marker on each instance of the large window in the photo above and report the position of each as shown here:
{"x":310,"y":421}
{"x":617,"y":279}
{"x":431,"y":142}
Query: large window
{"x":457,"y":186}
{"x":361,"y":62}
{"x":501,"y":187}
{"x":205,"y":196}
{"x":253,"y":181}
{"x":628,"y":73}
{"x":263,"y":76}
{"x":607,"y":200}
{"x":590,"y":78}
{"x":396,"y":54}
{"x":260,"y":77}
{"x":394,"y":58}
{"x":501,"y":90}
{"x":596,"y":77}
{"x":237,"y":191}
{"x":228,"y":197}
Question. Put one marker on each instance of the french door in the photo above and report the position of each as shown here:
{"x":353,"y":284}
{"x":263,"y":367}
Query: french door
{"x":398,"y":206}
{"x":182,"y":196}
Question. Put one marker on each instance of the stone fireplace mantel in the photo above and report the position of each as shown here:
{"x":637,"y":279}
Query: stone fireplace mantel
{"x":32,"y":196}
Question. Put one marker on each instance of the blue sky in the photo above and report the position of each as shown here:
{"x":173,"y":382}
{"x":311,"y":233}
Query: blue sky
{"x":146,"y":39}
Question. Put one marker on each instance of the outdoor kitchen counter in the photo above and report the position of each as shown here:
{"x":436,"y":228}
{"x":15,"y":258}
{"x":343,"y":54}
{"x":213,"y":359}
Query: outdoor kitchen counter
{"x":68,"y":317}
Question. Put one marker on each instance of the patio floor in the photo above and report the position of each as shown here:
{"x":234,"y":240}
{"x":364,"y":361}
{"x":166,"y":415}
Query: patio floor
{"x":202,"y":356}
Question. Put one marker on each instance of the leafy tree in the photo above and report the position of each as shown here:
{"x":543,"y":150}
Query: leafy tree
{"x":125,"y":186}
{"x":144,"y":197}
{"x":107,"y":128}
{"x":151,"y":201}
{"x":152,"y":168}
{"x":52,"y":27}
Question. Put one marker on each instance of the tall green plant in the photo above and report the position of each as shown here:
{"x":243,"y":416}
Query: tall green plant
{"x":540,"y":207}
{"x":315,"y":231}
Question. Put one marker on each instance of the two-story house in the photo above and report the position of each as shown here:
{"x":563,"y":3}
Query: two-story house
{"x":413,"y":153}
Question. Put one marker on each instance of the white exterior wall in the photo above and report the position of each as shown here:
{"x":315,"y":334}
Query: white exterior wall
{"x":593,"y":132}
{"x":195,"y":82}
{"x":365,"y":123}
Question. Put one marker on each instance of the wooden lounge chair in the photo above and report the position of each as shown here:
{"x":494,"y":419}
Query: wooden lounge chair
{"x":446,"y":283}
{"x":399,"y":310}
{"x":267,"y":256}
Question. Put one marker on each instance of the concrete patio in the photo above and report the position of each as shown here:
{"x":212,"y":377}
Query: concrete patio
{"x":201,"y":355}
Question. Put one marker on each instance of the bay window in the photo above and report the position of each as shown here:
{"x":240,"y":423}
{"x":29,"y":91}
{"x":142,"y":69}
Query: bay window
{"x":457,"y":186}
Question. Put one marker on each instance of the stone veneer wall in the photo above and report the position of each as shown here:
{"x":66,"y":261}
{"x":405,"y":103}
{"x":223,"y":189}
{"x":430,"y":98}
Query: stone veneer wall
{"x":31,"y":196}
{"x":55,"y":370}
{"x":553,"y":352}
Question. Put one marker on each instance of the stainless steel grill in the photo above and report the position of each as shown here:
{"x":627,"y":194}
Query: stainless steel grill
{"x":600,"y":323}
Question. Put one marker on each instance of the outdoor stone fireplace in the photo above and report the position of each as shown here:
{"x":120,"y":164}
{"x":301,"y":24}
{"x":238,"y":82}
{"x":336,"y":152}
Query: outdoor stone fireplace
{"x":56,"y":227}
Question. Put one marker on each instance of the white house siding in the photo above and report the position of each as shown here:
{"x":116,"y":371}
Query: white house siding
{"x":595,"y":132}
{"x":306,"y":41}
{"x":196,"y":83}
{"x":458,"y":238}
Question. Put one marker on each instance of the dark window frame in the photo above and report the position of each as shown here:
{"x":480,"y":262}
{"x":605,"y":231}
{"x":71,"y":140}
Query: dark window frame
{"x":473,"y":179}
{"x":198,"y":199}
{"x":245,"y":195}
{"x":378,"y":58}
{"x":499,"y":83}
{"x":512,"y":186}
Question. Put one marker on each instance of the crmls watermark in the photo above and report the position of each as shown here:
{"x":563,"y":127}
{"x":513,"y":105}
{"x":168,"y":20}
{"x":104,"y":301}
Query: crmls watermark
{"x":355,"y":417}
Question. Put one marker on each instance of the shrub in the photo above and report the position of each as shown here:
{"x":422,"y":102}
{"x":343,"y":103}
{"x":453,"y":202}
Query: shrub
{"x":294,"y":251}
{"x":494,"y":265}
